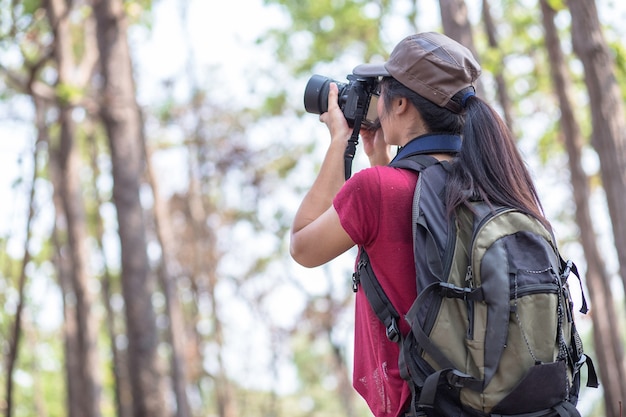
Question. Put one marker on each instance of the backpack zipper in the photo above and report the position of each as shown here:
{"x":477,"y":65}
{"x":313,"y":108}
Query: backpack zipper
{"x":536,"y":289}
{"x":469,"y":282}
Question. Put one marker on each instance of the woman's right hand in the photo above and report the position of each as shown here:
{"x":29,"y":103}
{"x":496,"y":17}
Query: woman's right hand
{"x":334,"y":118}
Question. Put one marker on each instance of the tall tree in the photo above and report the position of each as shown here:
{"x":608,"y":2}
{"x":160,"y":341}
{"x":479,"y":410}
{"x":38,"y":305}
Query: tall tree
{"x":122,"y":120}
{"x":15,"y":335}
{"x":87,"y":387}
{"x":608,"y":119}
{"x":119,"y":357}
{"x":457,"y":26}
{"x":494,"y":45}
{"x":606,"y":328}
{"x":168,"y":279}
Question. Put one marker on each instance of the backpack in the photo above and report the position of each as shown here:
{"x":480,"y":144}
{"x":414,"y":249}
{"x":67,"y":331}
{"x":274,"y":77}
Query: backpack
{"x":492,"y":329}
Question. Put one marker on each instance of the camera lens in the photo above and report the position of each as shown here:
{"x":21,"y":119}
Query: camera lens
{"x":316,"y":94}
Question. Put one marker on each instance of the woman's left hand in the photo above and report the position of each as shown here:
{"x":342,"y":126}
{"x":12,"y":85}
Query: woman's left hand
{"x":376,"y":149}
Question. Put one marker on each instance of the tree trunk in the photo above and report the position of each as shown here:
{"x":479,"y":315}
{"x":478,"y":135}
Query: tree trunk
{"x":122,"y":120}
{"x":119,"y":362}
{"x":167,"y":277}
{"x":15,"y":336}
{"x":607,"y":334}
{"x":457,"y":26}
{"x":502,"y":91}
{"x":607,"y":115}
{"x":70,"y":325}
{"x":68,"y":184}
{"x":204,"y":272}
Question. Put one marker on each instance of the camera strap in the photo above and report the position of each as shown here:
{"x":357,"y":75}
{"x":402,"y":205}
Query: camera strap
{"x":430,"y":143}
{"x":348,"y":155}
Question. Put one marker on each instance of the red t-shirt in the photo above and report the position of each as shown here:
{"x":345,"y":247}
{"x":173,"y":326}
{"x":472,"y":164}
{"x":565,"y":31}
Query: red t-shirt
{"x":374,"y":208}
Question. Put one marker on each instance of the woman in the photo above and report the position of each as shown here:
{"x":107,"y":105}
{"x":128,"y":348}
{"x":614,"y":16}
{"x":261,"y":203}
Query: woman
{"x":426,"y":90}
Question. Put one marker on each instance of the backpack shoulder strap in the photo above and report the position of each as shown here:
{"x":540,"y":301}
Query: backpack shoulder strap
{"x":364,"y":274}
{"x":416,"y":163}
{"x":376,"y":296}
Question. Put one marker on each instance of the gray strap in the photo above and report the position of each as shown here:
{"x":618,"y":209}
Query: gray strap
{"x":416,"y":205}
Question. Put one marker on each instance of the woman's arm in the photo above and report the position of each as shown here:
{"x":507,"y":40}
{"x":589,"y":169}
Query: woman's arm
{"x":317,"y":235}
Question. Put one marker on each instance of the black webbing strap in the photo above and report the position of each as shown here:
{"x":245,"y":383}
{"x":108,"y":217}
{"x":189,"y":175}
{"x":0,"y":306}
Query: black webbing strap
{"x":563,"y":409}
{"x":566,"y":268}
{"x":377,"y":298}
{"x":451,"y":377}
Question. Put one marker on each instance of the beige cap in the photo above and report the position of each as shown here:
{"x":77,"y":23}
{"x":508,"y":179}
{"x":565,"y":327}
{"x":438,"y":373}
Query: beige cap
{"x":431,"y":64}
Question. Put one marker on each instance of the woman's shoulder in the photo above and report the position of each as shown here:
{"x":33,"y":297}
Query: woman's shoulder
{"x":385,"y":176}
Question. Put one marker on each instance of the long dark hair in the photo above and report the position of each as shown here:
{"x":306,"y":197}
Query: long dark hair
{"x":489,"y":166}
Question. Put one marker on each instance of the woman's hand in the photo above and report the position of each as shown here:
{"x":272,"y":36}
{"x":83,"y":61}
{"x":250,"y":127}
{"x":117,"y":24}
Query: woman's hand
{"x":376,"y":149}
{"x":334,"y":118}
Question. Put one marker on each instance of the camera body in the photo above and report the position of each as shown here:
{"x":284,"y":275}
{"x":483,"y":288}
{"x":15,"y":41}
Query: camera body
{"x":357,"y":99}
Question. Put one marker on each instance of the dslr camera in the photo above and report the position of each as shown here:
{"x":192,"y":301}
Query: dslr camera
{"x":357,"y":99}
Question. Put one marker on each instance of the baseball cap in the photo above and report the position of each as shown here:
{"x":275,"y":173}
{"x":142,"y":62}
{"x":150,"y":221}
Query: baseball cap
{"x":431,"y":64}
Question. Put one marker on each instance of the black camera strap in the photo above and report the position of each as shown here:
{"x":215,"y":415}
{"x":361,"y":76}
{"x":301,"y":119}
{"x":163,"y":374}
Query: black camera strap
{"x":348,"y":155}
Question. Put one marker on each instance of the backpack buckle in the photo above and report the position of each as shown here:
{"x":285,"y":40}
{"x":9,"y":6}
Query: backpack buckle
{"x":452,"y":291}
{"x":393,"y":333}
{"x":356,"y":279}
{"x":457,"y":379}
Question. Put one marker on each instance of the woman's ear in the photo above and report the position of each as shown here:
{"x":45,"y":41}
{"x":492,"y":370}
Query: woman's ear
{"x":400,"y":105}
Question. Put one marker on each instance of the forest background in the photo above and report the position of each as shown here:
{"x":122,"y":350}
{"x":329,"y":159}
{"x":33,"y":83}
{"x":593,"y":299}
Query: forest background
{"x":153,"y":154}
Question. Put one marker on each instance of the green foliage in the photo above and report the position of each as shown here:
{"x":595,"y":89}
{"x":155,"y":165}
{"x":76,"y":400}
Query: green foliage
{"x":139,"y":12}
{"x":329,"y":28}
{"x":557,"y":5}
{"x":619,"y":51}
{"x":30,"y":6}
{"x":549,"y":143}
{"x":68,"y":93}
{"x":274,"y":104}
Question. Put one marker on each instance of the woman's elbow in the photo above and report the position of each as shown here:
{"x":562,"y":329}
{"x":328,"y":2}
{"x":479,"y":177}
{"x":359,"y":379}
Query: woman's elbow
{"x":298,"y":254}
{"x":301,"y":253}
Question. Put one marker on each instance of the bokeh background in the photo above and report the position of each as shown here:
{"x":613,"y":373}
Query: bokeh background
{"x":153,"y":154}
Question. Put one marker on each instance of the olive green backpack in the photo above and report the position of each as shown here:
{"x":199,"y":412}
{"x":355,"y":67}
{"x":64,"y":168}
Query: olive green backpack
{"x":492,"y":329}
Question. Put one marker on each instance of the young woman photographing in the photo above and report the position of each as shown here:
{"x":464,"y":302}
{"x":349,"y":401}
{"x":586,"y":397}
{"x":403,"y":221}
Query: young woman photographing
{"x":426,"y":95}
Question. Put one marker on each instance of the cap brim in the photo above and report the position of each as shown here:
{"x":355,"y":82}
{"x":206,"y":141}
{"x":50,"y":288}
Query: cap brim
{"x":371,"y":70}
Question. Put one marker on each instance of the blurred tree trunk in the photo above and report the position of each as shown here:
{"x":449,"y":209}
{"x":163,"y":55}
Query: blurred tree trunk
{"x":122,"y":121}
{"x":457,"y":26}
{"x":608,"y":135}
{"x":205,"y":261}
{"x":328,"y":322}
{"x":167,"y":277}
{"x":119,"y":362}
{"x":70,"y":325}
{"x":11,"y":356}
{"x":606,"y":327}
{"x":502,"y":90}
{"x":86,"y":394}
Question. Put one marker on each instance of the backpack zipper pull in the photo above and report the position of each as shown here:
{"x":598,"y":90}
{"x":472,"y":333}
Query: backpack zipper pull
{"x":469,"y":277}
{"x":469,"y":283}
{"x":356,"y":280}
{"x":356,"y":276}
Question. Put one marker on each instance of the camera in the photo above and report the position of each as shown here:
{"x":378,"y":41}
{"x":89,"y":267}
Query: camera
{"x":357,"y":99}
